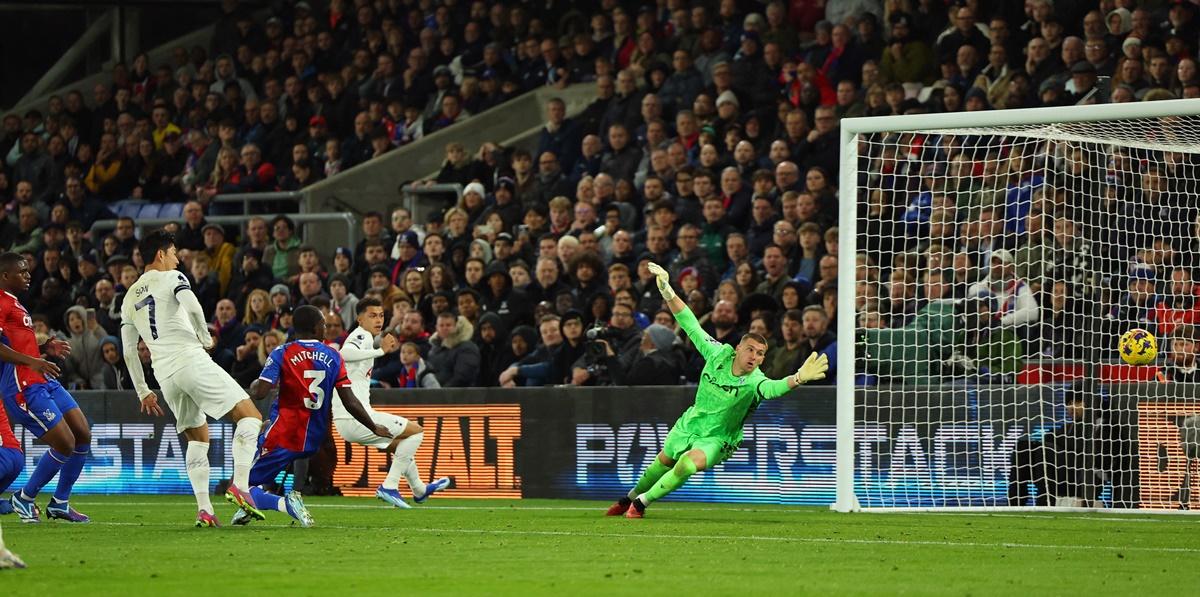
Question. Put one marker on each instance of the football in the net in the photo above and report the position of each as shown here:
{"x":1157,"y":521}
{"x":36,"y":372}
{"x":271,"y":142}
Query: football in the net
{"x":1138,"y":347}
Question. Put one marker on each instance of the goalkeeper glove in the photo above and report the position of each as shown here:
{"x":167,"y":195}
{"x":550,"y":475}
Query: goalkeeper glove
{"x":663,"y":279}
{"x":814,"y":368}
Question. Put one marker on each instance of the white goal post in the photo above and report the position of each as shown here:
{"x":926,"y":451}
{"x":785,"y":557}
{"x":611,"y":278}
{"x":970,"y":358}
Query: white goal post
{"x":957,"y":198}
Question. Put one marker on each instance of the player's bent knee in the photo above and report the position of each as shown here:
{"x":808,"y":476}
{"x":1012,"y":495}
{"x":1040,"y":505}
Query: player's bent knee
{"x":412,"y":429}
{"x":197,"y":434}
{"x":60,"y":438}
{"x":686,"y":467}
{"x":698,"y":460}
{"x":245,"y":408}
{"x":665,"y":460}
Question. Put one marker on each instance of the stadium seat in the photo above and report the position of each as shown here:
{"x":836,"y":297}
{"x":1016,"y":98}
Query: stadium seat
{"x":170,"y":210}
{"x":150,"y":210}
{"x":128,"y":208}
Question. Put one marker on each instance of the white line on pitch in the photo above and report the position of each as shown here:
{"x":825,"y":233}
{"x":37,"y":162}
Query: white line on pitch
{"x":1132,"y":516}
{"x":659,"y":536}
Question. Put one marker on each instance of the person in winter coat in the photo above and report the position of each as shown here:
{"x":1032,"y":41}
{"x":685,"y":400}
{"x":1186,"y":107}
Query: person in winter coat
{"x":501,"y":298}
{"x":414,"y":371}
{"x":494,"y":354}
{"x":116,"y":376}
{"x":454,"y":357}
{"x":85,"y":364}
{"x":343,"y":302}
{"x":247,"y":364}
{"x":659,"y":361}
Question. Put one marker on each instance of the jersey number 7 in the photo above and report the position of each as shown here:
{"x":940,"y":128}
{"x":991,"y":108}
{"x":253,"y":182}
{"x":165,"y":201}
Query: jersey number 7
{"x":317,"y":393}
{"x":149,"y":301}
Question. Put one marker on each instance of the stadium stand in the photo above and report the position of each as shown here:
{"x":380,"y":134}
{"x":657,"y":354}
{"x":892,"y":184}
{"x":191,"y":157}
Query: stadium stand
{"x":710,"y":147}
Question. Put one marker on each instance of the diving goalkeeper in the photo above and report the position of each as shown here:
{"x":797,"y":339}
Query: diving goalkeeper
{"x":731,"y":387}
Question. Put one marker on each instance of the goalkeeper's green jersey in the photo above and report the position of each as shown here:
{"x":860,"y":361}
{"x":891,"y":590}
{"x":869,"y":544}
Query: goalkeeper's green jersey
{"x":723,"y":401}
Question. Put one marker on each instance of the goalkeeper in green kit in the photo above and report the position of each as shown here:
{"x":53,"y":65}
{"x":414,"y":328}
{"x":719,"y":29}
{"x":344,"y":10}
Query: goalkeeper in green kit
{"x":731,"y":387}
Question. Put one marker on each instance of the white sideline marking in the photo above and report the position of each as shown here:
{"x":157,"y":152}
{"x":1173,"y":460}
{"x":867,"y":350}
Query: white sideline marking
{"x":658,"y":536}
{"x":1132,"y":516}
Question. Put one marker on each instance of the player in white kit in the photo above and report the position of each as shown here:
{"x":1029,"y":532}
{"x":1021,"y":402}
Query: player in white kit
{"x":161,"y":308}
{"x":359,"y":352}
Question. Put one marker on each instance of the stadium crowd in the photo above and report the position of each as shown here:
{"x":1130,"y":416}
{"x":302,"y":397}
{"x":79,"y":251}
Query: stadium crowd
{"x":712,"y":148}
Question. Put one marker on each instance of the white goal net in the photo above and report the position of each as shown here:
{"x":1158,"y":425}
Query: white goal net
{"x":1000,"y":256}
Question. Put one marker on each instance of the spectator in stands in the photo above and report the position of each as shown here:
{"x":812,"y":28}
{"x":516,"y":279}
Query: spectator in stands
{"x":373,"y":232}
{"x":105,"y":178}
{"x":220,"y":254}
{"x":658,"y":360}
{"x":774,"y":271}
{"x":723,"y":325}
{"x":1012,"y":301}
{"x":453,"y":356}
{"x":907,"y":58}
{"x":85,"y":363}
{"x":1182,"y":364}
{"x":783,"y":356}
{"x":191,"y":234}
{"x":282,"y":255}
{"x":116,"y":376}
{"x":560,"y":135}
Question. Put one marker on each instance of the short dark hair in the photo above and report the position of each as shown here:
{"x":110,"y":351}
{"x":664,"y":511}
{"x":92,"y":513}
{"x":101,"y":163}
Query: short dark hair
{"x":366,"y":301}
{"x":157,"y":240}
{"x":286,"y":220}
{"x":9,"y":261}
{"x":306,"y":318}
{"x":306,"y":249}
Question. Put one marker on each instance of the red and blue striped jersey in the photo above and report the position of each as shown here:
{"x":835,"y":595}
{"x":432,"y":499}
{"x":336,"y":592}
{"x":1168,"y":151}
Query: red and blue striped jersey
{"x":308,"y":374}
{"x":16,"y":330}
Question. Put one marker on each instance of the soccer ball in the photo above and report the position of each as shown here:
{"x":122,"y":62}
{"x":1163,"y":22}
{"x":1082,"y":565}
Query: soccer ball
{"x":1138,"y":347}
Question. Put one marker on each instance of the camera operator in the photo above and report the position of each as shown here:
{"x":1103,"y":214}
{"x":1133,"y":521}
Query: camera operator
{"x":619,"y":337}
{"x":658,"y":362}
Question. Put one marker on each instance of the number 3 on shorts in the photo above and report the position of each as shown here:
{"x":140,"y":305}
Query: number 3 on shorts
{"x":317,"y":393}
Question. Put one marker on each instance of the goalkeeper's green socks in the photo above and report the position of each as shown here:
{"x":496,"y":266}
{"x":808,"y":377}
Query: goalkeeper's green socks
{"x":653,"y":473}
{"x":672,"y":480}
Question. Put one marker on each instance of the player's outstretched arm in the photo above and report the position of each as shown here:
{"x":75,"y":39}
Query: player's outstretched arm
{"x":663,"y":280}
{"x":360,"y":414}
{"x":129,"y":342}
{"x":705,"y":344}
{"x":814,"y":368}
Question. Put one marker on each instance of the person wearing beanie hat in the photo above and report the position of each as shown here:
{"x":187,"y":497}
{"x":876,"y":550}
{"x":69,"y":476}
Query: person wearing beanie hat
{"x":731,"y":386}
{"x":280,"y":295}
{"x":657,"y":363}
{"x":342,"y":301}
{"x":343,"y":261}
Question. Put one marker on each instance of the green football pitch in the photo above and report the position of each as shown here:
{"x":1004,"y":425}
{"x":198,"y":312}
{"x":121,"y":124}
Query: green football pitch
{"x":145,"y":545}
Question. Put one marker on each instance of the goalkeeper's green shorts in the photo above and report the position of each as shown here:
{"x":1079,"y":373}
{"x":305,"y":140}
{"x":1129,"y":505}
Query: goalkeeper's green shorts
{"x":716,"y":449}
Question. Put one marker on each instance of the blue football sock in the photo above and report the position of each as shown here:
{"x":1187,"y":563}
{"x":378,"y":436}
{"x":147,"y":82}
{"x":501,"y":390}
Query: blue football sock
{"x":70,"y":473}
{"x":46,"y":468}
{"x":266,"y":500}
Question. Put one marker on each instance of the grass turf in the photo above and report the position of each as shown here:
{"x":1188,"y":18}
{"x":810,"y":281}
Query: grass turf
{"x":145,"y":544}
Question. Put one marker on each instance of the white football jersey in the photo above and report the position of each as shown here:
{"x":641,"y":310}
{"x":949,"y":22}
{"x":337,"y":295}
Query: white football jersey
{"x":152,"y":307}
{"x":359,"y":343}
